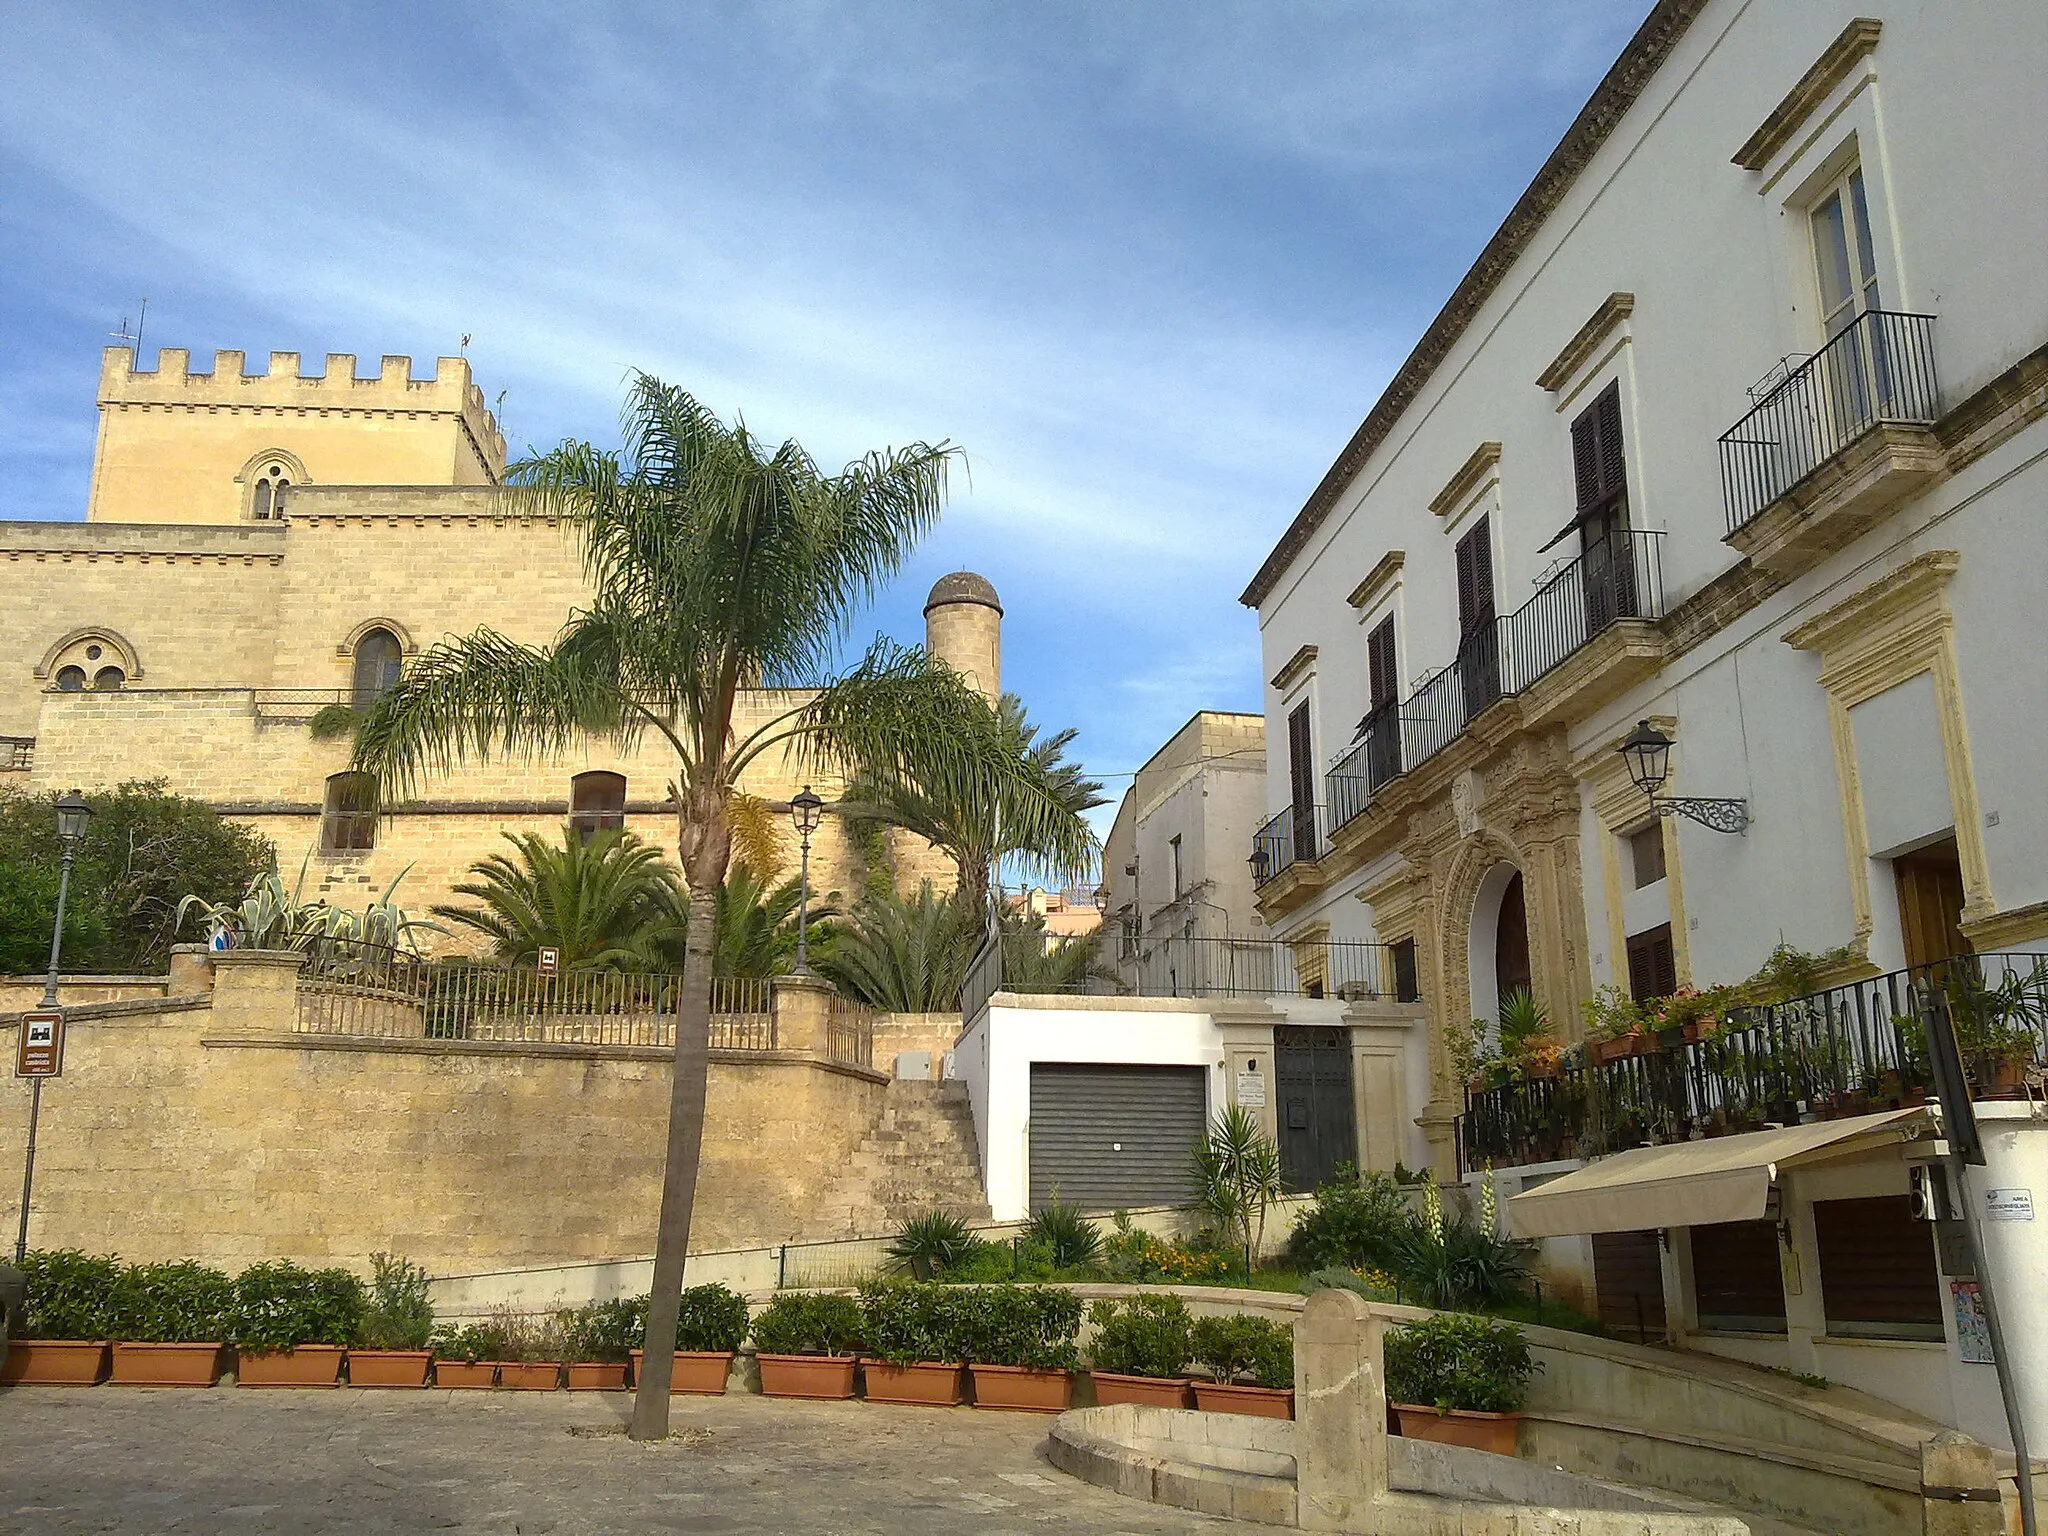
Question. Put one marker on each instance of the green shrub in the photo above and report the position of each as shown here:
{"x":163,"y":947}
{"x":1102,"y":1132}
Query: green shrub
{"x":1074,"y":1240}
{"x":903,"y":1324}
{"x":69,"y":1294}
{"x":1244,"y":1345}
{"x":1142,"y":1336}
{"x":1457,"y":1361}
{"x":808,"y":1323}
{"x":399,"y":1315}
{"x":278,"y":1306}
{"x":1355,"y":1219}
{"x":1463,"y":1265}
{"x":471,"y":1342}
{"x":930,"y":1244}
{"x":176,"y":1303}
{"x":1028,"y":1325}
{"x":712,"y":1319}
{"x":602,"y":1330}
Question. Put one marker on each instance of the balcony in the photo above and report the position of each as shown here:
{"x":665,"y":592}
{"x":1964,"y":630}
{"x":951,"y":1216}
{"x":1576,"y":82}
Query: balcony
{"x":1849,"y":1050}
{"x":1298,"y":835}
{"x":1580,"y":627}
{"x":1175,"y":966}
{"x":1835,"y":443}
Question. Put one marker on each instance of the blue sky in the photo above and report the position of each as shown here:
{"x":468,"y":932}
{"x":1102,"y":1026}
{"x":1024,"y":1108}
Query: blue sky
{"x":1148,"y":262}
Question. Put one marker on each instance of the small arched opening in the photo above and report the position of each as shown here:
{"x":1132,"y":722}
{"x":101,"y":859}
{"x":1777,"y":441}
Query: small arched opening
{"x":1498,"y":945}
{"x":378,"y":660}
{"x":597,"y":803}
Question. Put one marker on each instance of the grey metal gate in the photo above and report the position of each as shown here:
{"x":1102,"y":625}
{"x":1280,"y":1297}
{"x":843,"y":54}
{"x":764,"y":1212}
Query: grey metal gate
{"x":1111,"y":1137}
{"x":1317,"y":1114}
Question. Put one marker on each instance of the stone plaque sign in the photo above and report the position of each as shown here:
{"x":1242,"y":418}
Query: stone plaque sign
{"x":1251,"y":1090}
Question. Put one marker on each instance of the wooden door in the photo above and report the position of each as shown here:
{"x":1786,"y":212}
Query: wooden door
{"x":1930,"y":887}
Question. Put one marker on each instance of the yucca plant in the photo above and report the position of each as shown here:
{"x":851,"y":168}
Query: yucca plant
{"x":1237,"y":1176}
{"x":716,"y":563}
{"x":1072,"y":1238}
{"x":930,"y":1244}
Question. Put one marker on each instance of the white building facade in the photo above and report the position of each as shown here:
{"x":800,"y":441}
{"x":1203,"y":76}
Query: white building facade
{"x":1735,"y":427}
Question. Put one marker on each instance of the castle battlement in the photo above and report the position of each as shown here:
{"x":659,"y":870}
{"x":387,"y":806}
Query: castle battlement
{"x":449,"y":390}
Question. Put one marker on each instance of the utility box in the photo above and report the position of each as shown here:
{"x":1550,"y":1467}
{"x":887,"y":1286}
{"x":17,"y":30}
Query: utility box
{"x":915,"y":1066}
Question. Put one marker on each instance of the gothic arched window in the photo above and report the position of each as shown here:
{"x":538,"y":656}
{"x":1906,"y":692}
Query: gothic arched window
{"x":378,"y":660}
{"x":267,"y":499}
{"x":597,"y":803}
{"x":71,"y":679}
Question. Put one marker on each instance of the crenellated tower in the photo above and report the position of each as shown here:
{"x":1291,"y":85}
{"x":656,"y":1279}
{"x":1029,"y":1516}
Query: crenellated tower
{"x":229,"y":446}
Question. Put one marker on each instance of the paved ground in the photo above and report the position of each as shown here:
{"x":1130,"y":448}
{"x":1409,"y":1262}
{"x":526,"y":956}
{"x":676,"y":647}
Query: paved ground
{"x":235,"y":1460}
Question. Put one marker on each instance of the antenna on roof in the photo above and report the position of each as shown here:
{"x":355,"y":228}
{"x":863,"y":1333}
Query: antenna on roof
{"x":140,"y":317}
{"x":464,"y":348}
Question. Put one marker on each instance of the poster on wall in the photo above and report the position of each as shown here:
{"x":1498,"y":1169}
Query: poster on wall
{"x":1973,"y":1332}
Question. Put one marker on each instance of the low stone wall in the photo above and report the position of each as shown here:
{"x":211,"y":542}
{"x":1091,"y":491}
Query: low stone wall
{"x":899,"y":1032}
{"x":201,"y":1126}
{"x":18,"y":992}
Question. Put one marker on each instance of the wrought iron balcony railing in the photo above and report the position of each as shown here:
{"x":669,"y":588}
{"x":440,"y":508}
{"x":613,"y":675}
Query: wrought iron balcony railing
{"x":1298,"y":835}
{"x":1177,"y":966}
{"x":1878,"y":368}
{"x":1849,"y":1050}
{"x":1617,"y":577}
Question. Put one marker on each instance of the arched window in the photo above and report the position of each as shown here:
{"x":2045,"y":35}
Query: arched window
{"x":597,"y":803}
{"x":349,"y":820}
{"x":267,"y":499}
{"x":71,"y":679}
{"x":378,"y":656}
{"x":108,"y":679}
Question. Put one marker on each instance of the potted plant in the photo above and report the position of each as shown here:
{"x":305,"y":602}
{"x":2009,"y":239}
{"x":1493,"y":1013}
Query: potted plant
{"x":711,"y":1324}
{"x":1019,"y":1340}
{"x":533,"y":1352}
{"x":1459,"y":1379}
{"x":64,"y":1321}
{"x":169,"y":1324}
{"x":1252,"y":1362}
{"x":390,"y":1348}
{"x":1141,"y":1351}
{"x":912,"y":1335}
{"x":597,"y":1339}
{"x":466,"y":1356}
{"x":292,"y":1325}
{"x":1615,"y":1026}
{"x":805,"y":1341}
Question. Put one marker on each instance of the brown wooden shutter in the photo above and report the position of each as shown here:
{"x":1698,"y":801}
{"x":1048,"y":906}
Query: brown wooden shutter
{"x":1475,"y":578}
{"x":1382,"y":677}
{"x":1628,"y":1279}
{"x":1878,"y":1276}
{"x":1301,"y":771}
{"x":1586,"y":462}
{"x":1652,"y":964}
{"x":1736,"y":1282}
{"x":1599,"y":464}
{"x":1613,"y":462}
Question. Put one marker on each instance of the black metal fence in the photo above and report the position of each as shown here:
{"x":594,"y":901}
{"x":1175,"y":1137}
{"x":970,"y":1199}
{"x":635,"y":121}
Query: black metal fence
{"x":1176,"y":966}
{"x":1298,"y":835}
{"x":1878,"y":368}
{"x":1619,"y":576}
{"x":1849,"y":1050}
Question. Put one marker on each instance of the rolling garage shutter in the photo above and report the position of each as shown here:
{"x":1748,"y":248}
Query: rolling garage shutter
{"x":1111,"y":1137}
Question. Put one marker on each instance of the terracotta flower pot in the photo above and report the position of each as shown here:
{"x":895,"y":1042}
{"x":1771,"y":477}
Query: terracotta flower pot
{"x":309,"y":1365}
{"x":1020,"y":1386}
{"x":597,"y":1375}
{"x":1495,"y":1432}
{"x":928,"y":1382}
{"x":54,"y":1363}
{"x":1153,"y":1391}
{"x":530,"y":1375}
{"x":465,"y":1374}
{"x":696,"y":1370}
{"x":806,"y":1375}
{"x":389,"y":1367}
{"x":166,"y":1365}
{"x":1600,"y":1052}
{"x":1261,"y":1402}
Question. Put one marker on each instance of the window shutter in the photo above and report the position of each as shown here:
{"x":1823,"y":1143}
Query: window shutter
{"x":1475,"y":577}
{"x":1300,"y":760}
{"x":1736,"y":1279}
{"x":1380,"y":669}
{"x":1586,"y":462}
{"x":1652,"y":964}
{"x":1599,"y":465}
{"x":1878,"y":1275}
{"x":1613,"y":463}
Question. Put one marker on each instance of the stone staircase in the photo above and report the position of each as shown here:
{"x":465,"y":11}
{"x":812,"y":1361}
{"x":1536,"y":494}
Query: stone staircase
{"x":921,"y":1156}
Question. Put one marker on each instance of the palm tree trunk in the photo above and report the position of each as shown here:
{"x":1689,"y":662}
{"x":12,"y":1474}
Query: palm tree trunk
{"x":679,"y":1173}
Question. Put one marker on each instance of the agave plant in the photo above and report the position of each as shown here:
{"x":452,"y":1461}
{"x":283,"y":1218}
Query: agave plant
{"x":270,"y":917}
{"x":1074,"y":1240}
{"x":931,"y":1243}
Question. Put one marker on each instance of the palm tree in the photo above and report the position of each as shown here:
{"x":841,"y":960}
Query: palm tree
{"x":756,"y":931}
{"x":904,"y":956}
{"x":953,"y":814}
{"x":611,"y":904}
{"x":715,"y":563}
{"x":1035,"y":960}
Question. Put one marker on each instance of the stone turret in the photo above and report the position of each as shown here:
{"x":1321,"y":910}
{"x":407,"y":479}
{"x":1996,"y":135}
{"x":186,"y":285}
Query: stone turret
{"x":963,"y":626}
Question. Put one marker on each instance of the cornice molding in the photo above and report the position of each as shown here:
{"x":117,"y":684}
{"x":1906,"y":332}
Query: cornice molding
{"x":1604,"y":321}
{"x":1298,"y":666}
{"x":1914,"y":591}
{"x":1828,"y":71}
{"x":1459,"y":488}
{"x":1378,"y":580}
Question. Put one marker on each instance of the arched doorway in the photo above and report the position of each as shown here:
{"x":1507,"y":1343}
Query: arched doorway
{"x":1498,"y":942}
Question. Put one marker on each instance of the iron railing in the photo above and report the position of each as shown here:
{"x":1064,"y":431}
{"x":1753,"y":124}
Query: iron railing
{"x":368,"y":990}
{"x":1177,"y":966}
{"x":1296,"y":836}
{"x":1848,"y":1050}
{"x":850,"y":1032}
{"x":1619,"y":576}
{"x":17,"y":754}
{"x":984,"y":977}
{"x":1878,"y":368}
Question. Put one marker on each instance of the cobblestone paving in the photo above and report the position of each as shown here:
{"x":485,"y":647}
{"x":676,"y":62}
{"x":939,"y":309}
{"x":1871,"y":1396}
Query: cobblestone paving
{"x":234,"y":1460}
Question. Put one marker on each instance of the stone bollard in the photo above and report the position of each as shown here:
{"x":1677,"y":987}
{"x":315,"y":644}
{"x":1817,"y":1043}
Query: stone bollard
{"x":1959,"y":1494}
{"x":803,"y":1015}
{"x":256,"y":991}
{"x":191,"y":969}
{"x":1340,"y":1411}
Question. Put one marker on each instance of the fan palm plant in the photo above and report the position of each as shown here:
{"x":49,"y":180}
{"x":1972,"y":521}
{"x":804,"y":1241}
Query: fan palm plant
{"x":904,"y":956}
{"x":757,"y":924}
{"x":716,"y":563}
{"x":611,"y":904}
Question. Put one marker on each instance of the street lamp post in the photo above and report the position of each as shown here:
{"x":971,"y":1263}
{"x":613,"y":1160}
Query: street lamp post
{"x":1647,"y":751}
{"x":805,"y":812}
{"x":72,"y":815}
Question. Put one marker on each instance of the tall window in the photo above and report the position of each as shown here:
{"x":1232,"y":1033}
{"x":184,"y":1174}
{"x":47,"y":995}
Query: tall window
{"x":597,"y":803}
{"x":378,"y":660}
{"x":1600,"y":480}
{"x":1173,"y":843}
{"x":267,"y":499}
{"x":1383,"y":716}
{"x":1478,"y":652}
{"x":349,"y":821}
{"x":1646,"y":854}
{"x":1845,"y":253}
{"x":1301,"y":780}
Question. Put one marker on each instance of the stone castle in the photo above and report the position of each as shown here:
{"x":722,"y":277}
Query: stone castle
{"x":258,"y":546}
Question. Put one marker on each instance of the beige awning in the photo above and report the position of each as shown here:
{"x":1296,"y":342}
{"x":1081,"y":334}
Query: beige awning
{"x":1695,"y":1183}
